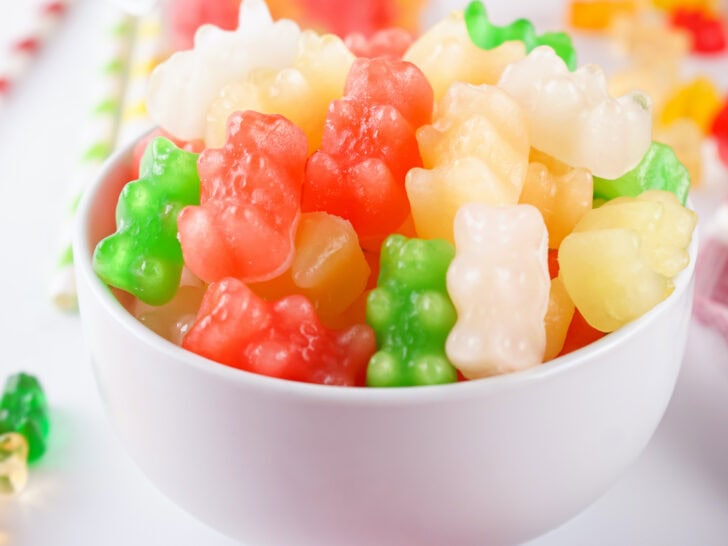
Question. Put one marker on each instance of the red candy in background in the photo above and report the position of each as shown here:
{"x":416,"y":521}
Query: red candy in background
{"x":580,"y":334}
{"x":368,"y":146}
{"x":195,"y":146}
{"x":283,"y":339}
{"x":391,"y":42}
{"x":707,"y":32}
{"x":250,"y":201}
{"x":719,"y":130}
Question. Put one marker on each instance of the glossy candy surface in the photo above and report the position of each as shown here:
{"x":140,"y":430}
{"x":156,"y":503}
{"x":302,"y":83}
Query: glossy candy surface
{"x":390,"y":42}
{"x":660,"y":169}
{"x":283,"y":339}
{"x":411,"y":314}
{"x":698,"y":100}
{"x":13,"y":463}
{"x":499,"y":282}
{"x":250,"y":201}
{"x":572,"y":117}
{"x":476,"y":150}
{"x":143,"y":256}
{"x":23,"y":409}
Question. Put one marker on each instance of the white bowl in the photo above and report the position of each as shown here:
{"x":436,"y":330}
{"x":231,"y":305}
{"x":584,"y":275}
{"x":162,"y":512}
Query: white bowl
{"x":272,"y":462}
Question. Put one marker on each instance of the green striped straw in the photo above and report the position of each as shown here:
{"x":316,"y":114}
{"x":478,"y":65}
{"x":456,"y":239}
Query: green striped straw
{"x":101,"y":134}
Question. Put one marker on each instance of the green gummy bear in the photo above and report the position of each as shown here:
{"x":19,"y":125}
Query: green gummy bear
{"x":486,"y":35}
{"x":23,"y":409}
{"x":144,"y":256}
{"x":412,"y":314}
{"x":660,"y":169}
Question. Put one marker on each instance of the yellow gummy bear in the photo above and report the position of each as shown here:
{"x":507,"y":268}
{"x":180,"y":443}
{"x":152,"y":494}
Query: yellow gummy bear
{"x":563,"y":194}
{"x":174,"y":319}
{"x":476,"y":151}
{"x":621,"y":259}
{"x":707,"y":6}
{"x":302,"y":93}
{"x":598,"y":14}
{"x":558,"y":318}
{"x":328,"y":267}
{"x":446,"y":54}
{"x":686,"y":140}
{"x":698,"y":100}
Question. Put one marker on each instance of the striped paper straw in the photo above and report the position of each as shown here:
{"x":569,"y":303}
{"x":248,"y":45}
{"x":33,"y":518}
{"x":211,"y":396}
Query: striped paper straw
{"x":100,"y":138}
{"x":24,"y":50}
{"x":146,"y":54}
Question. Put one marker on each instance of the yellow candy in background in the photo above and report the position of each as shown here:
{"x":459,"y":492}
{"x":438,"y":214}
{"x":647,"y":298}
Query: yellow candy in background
{"x":686,"y":140}
{"x":563,"y":194}
{"x":698,"y":100}
{"x":621,"y":258}
{"x":446,"y":55}
{"x":597,"y":15}
{"x":302,"y":93}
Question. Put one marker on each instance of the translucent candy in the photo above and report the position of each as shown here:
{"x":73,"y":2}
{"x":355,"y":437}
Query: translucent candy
{"x":476,"y":150}
{"x":573,"y":118}
{"x":649,"y":41}
{"x":328,"y":267}
{"x":446,"y":55}
{"x":300,"y":92}
{"x":698,"y":100}
{"x":562,"y":194}
{"x":657,"y":79}
{"x":23,"y":409}
{"x":412,"y":314}
{"x":499,"y":282}
{"x":392,"y":42}
{"x":686,"y":140}
{"x":558,"y":318}
{"x":13,"y":463}
{"x":182,"y":88}
{"x":598,"y":14}
{"x":173,"y":320}
{"x":620,"y":261}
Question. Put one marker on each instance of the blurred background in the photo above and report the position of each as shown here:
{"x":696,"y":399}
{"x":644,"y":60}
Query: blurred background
{"x":72,"y":81}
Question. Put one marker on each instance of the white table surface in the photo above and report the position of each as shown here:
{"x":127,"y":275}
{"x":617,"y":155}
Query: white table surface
{"x":86,"y":491}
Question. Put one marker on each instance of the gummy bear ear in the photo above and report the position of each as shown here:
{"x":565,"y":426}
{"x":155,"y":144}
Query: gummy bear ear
{"x":254,"y":13}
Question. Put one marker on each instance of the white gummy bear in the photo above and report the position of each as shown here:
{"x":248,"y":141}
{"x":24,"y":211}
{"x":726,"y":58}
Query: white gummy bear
{"x":499,"y":283}
{"x":181,"y":89}
{"x":573,"y":118}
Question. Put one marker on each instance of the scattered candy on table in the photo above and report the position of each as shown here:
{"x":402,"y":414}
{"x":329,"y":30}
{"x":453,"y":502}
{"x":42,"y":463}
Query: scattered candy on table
{"x":13,"y":463}
{"x":24,"y":410}
{"x":331,"y":185}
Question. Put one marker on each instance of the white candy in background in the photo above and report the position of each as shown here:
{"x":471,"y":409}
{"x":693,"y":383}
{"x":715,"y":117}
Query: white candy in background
{"x":573,"y":118}
{"x":182,"y":88}
{"x":499,"y":283}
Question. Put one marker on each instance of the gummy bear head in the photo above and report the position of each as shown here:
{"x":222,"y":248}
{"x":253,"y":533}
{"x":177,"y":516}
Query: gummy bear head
{"x":416,"y":264}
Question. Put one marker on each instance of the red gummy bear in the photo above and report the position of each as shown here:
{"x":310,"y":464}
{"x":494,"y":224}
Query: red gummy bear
{"x":369,"y":145}
{"x":390,"y":42}
{"x":707,"y":32}
{"x":195,"y":146}
{"x":580,"y":334}
{"x":282,"y":339}
{"x":719,"y":130}
{"x":250,"y":201}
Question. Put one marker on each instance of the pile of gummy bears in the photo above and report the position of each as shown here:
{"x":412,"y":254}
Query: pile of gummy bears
{"x":472,"y":206}
{"x":24,"y":428}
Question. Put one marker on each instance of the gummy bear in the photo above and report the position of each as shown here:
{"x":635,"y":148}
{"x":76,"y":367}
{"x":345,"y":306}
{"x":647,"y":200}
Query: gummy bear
{"x":648,"y":41}
{"x":328,"y":267}
{"x":184,"y":17}
{"x":13,"y":463}
{"x":621,"y":258}
{"x":250,"y":201}
{"x":174,"y":319}
{"x":573,"y":118}
{"x":698,"y":100}
{"x":23,"y":409}
{"x":196,"y":146}
{"x":281,"y":339}
{"x":598,"y":15}
{"x":660,"y":169}
{"x":559,"y":315}
{"x":708,"y":6}
{"x":446,"y":55}
{"x":144,"y":256}
{"x":300,"y":92}
{"x":411,"y":314}
{"x":707,"y":31}
{"x":686,"y":140}
{"x":368,"y":146}
{"x":562,"y":194}
{"x":487,"y":35}
{"x":499,"y":282}
{"x":182,"y":88}
{"x":390,"y":42}
{"x":476,"y":150}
